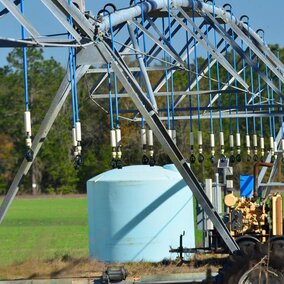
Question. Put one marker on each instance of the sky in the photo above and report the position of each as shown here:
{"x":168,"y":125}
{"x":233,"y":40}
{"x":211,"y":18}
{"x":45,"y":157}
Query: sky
{"x":268,"y":15}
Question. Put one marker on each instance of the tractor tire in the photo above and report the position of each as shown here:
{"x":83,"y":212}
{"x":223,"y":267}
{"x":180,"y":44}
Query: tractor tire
{"x":255,"y":266}
{"x":277,"y":253}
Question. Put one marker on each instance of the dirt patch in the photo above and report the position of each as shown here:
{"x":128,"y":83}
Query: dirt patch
{"x":50,"y":196}
{"x":86,"y":268}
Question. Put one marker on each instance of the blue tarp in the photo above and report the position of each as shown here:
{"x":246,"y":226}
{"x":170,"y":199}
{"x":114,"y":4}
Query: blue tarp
{"x":246,"y":186}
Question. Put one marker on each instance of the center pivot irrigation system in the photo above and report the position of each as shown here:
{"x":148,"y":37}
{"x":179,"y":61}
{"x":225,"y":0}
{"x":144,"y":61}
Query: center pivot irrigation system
{"x":194,"y":38}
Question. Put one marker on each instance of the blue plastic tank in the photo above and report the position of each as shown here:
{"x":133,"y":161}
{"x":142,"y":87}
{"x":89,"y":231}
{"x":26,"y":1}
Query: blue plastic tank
{"x":137,"y":213}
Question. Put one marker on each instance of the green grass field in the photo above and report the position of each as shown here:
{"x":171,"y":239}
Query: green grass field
{"x":42,"y":228}
{"x":46,"y":228}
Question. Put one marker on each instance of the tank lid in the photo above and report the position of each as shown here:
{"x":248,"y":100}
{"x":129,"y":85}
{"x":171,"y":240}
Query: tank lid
{"x":137,"y":173}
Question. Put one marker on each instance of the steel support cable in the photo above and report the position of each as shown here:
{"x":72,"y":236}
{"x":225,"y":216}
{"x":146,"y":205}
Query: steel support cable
{"x":124,"y":46}
{"x":173,"y":66}
{"x":152,"y":54}
{"x":183,"y":55}
{"x":223,"y":33}
{"x":13,"y":9}
{"x":201,"y":73}
{"x":156,"y":49}
{"x":203,"y":40}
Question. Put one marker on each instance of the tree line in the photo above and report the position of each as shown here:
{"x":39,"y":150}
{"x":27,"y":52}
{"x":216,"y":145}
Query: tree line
{"x":53,"y":170}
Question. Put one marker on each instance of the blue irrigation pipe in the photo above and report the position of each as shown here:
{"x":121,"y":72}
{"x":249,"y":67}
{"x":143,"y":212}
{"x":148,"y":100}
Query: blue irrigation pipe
{"x":75,"y":84}
{"x":167,"y":82}
{"x":114,"y":75}
{"x":143,"y":36}
{"x":269,"y":103}
{"x":144,"y":49}
{"x":210,"y":88}
{"x":171,"y":72}
{"x":196,"y":72}
{"x":71,"y":76}
{"x":245,"y":93}
{"x":188,"y":80}
{"x":260,"y":100}
{"x":273,"y":118}
{"x":25,"y":63}
{"x":218,"y":75}
{"x":228,"y":80}
{"x":235,"y":81}
{"x":110,"y":96}
{"x":252,"y":83}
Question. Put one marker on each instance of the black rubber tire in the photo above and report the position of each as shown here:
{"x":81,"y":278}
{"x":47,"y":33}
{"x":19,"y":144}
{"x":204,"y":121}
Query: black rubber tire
{"x":277,"y":253}
{"x":246,"y":267}
{"x":247,"y":246}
